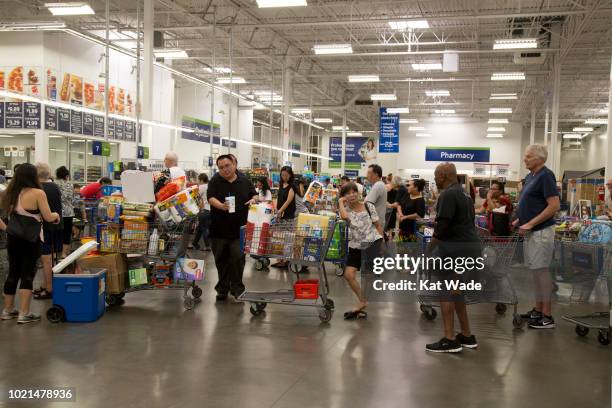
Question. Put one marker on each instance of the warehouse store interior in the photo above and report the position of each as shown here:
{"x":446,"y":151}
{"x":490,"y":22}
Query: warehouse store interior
{"x":217,"y":202}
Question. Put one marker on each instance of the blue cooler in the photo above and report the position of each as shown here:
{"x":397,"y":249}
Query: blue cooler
{"x":78,"y":298}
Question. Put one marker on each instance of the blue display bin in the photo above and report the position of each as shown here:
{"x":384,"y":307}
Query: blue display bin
{"x":109,"y":190}
{"x":78,"y":297}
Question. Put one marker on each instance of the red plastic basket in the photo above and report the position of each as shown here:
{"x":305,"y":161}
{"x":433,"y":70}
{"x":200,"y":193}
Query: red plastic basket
{"x":306,"y":289}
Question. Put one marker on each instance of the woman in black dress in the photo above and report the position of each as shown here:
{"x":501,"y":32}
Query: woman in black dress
{"x":412,"y":207}
{"x":285,"y":202}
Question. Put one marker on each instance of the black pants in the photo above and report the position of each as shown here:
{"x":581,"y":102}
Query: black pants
{"x":67,"y":231}
{"x":229,"y":261}
{"x":22,"y":257}
{"x":203,"y":228}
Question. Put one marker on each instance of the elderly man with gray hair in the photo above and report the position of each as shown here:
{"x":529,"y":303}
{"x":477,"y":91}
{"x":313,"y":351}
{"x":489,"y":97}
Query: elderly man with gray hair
{"x":171,"y":173}
{"x":537,"y":207}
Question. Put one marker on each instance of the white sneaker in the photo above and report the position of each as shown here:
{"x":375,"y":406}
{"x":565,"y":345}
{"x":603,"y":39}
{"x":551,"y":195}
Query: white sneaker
{"x":8,"y":315}
{"x":29,"y":318}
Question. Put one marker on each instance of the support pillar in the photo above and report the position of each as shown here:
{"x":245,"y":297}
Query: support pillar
{"x":533,"y":122}
{"x":608,"y":132}
{"x":147,"y":83}
{"x":343,"y":155}
{"x":287,"y":101}
{"x":546,"y":120}
{"x":554,"y":152}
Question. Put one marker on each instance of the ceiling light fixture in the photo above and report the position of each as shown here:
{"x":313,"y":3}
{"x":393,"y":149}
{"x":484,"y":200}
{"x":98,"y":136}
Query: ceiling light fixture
{"x":495,"y":136}
{"x":301,"y":111}
{"x":582,"y":129}
{"x":168,"y":53}
{"x":281,"y":3}
{"x":499,"y":96}
{"x":596,"y":121}
{"x":515,"y":43}
{"x":408,"y":120}
{"x":383,"y":97}
{"x":398,"y":110}
{"x":218,"y":70}
{"x":427,"y":66}
{"x":69,"y":9}
{"x":508,"y":76}
{"x":423,"y":135}
{"x":232,"y":80}
{"x":323,"y":120}
{"x":496,"y":129}
{"x":498,"y":121}
{"x":354,"y":134}
{"x":444,"y":111}
{"x":330,"y":49}
{"x":572,"y":136}
{"x":442,"y":92}
{"x":339,"y":128}
{"x":32,"y":26}
{"x":412,"y":24}
{"x":364,"y":78}
{"x":416,"y":128}
{"x":500,"y":110}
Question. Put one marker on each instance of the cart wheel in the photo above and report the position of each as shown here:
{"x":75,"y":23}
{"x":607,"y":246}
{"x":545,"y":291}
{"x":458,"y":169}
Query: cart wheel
{"x":517,"y":321}
{"x":196,"y":292}
{"x":255,"y":310}
{"x":339,"y":270}
{"x":582,"y":331}
{"x":112,"y":300}
{"x":189,"y":303}
{"x":429,"y":312}
{"x":121,"y":295}
{"x":266,"y":262}
{"x":55,"y":314}
{"x":325,"y":315}
{"x":329,"y":304}
{"x":259,"y":265}
{"x":294,"y":268}
{"x":604,"y":337}
{"x":500,"y":308}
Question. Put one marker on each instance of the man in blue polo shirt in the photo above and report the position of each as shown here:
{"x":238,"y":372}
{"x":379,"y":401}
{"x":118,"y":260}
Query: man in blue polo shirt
{"x":537,"y":208}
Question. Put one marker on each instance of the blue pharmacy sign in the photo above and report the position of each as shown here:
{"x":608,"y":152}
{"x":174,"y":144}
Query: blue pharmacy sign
{"x":389,"y":132}
{"x":458,"y":154}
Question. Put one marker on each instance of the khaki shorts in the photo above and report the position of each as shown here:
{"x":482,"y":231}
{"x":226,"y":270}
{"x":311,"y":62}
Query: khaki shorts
{"x":538,"y":248}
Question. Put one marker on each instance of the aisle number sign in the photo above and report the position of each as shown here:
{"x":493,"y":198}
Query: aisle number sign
{"x":142,"y":152}
{"x":458,"y":154}
{"x":100,"y":148}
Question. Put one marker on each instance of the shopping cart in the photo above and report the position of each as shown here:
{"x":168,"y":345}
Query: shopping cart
{"x":585,"y":276}
{"x":496,"y":285}
{"x":163,"y":257}
{"x":301,"y":246}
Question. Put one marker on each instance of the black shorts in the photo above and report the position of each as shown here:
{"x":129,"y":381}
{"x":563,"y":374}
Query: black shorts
{"x":67,"y":231}
{"x":354,"y":258}
{"x":53,"y":239}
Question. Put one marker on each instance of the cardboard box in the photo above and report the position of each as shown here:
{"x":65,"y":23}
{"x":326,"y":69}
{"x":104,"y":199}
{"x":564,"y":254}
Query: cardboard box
{"x":116,"y":270}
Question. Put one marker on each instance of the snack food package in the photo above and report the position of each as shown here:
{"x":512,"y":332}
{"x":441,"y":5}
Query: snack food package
{"x":314,"y":191}
{"x":257,"y":236}
{"x":189,"y":269}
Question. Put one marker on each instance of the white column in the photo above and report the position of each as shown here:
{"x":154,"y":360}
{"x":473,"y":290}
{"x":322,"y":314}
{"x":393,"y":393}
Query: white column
{"x":343,"y":154}
{"x":533,"y":122}
{"x":147,"y":83}
{"x":554,"y":158}
{"x":41,"y":141}
{"x":287,"y":101}
{"x":609,"y":133}
{"x":546,"y":119}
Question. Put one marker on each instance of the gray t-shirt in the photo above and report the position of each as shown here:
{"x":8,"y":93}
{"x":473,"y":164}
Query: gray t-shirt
{"x":378,"y":197}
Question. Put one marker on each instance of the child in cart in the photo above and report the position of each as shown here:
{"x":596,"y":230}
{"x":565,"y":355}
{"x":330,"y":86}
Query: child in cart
{"x":365,"y":238}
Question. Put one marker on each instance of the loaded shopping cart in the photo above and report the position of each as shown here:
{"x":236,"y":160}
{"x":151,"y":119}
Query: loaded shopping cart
{"x":160,"y":248}
{"x":497,"y":287}
{"x":303,"y":242}
{"x":584,"y":275}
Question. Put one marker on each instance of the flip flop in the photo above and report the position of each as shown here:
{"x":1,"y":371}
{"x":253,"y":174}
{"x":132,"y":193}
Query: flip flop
{"x":43,"y":294}
{"x":355,"y":314}
{"x":37,"y":291}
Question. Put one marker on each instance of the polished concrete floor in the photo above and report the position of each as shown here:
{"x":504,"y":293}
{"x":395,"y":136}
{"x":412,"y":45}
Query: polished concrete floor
{"x":150,"y":352}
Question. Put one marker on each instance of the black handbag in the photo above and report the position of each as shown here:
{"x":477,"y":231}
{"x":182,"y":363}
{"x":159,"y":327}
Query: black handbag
{"x":24,"y":227}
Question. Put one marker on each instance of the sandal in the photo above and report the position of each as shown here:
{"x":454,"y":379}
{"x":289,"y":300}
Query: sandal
{"x":37,"y":291}
{"x":43,"y":294}
{"x":355,"y":314}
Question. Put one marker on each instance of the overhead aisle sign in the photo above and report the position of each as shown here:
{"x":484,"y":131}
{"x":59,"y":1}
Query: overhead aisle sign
{"x":458,"y":154}
{"x":389,"y":132}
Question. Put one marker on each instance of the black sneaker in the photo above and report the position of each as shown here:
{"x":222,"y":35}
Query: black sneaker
{"x":545,"y":322}
{"x":444,"y":346}
{"x":221,"y":298}
{"x":532,"y":315}
{"x":467,"y":341}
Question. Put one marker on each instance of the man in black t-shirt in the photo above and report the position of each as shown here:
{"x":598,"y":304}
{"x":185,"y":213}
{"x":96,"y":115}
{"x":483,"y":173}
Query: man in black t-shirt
{"x":455,"y":236}
{"x":229,"y":194}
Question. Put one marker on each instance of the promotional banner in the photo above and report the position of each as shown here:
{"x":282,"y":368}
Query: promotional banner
{"x":357,"y":150}
{"x":202,"y":132}
{"x":389,"y":132}
{"x":458,"y":154}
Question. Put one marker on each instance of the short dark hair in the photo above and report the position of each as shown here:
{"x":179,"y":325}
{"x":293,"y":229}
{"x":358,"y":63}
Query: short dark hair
{"x":376,"y":169}
{"x":348,"y":188}
{"x":224,"y":157}
{"x":203,"y":177}
{"x":501,"y":186}
{"x":234,"y":158}
{"x":327,"y":180}
{"x":62,"y":173}
{"x":345,"y":178}
{"x":419,"y":184}
{"x":105,"y":180}
{"x":264,"y":183}
{"x":2,"y":173}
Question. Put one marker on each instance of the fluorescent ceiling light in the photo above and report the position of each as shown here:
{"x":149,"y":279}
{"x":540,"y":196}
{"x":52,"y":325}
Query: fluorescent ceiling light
{"x":398,"y":110}
{"x":408,"y":120}
{"x":498,"y":121}
{"x":423,"y":135}
{"x":383,"y":97}
{"x":232,"y":80}
{"x":5,"y":136}
{"x":32,"y":26}
{"x":339,"y":128}
{"x":596,"y":121}
{"x":582,"y":129}
{"x":264,"y":92}
{"x":69,"y":9}
{"x":364,"y":78}
{"x":572,"y":136}
{"x":427,"y":66}
{"x":508,"y":76}
{"x":327,"y":49}
{"x":495,"y":136}
{"x":281,"y":3}
{"x":77,"y":141}
{"x":354,"y":133}
{"x":323,"y":120}
{"x":496,"y":129}
{"x":301,"y":111}
{"x":218,"y":70}
{"x":515,"y":43}
{"x":500,"y":110}
{"x":416,"y":128}
{"x":442,"y":92}
{"x":404,"y":24}
{"x":168,"y":53}
{"x":444,"y":111}
{"x":497,"y":96}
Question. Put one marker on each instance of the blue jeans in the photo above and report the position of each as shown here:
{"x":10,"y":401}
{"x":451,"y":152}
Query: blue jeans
{"x":202,"y":230}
